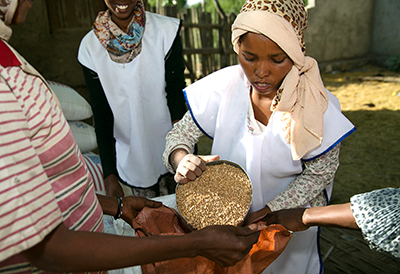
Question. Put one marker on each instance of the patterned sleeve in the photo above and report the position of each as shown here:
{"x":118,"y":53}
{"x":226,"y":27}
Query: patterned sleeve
{"x":377,"y":214}
{"x":317,"y":175}
{"x":185,"y":134}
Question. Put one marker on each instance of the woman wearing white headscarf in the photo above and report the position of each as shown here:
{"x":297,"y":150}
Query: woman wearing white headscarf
{"x":272,"y":115}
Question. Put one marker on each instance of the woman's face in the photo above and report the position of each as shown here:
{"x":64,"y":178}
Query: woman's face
{"x":21,"y":11}
{"x":121,"y":11}
{"x":264,"y":63}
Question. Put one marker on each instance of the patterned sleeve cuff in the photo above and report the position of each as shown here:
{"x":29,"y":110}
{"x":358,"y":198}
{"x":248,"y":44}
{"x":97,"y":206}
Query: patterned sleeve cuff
{"x":377,"y":214}
{"x":274,"y":206}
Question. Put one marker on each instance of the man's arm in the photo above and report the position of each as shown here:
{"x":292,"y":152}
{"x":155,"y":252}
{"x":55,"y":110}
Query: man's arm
{"x":64,"y":250}
{"x":130,"y":206}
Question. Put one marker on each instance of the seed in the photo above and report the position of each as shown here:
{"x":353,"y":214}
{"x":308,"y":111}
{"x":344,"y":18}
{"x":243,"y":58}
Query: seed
{"x":220,"y":196}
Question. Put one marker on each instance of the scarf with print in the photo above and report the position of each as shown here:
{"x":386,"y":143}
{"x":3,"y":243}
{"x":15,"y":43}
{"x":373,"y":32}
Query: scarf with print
{"x":122,"y":46}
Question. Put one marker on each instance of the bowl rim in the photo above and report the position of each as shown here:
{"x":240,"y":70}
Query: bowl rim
{"x":219,"y":162}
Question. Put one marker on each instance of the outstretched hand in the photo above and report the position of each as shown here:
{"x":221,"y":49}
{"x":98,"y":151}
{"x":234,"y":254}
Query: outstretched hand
{"x":133,"y":205}
{"x":226,"y":245}
{"x":254,"y":216}
{"x":291,"y":219}
{"x":191,"y":167}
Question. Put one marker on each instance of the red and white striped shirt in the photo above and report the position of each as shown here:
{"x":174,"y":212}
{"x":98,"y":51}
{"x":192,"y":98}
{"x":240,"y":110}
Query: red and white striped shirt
{"x":43,"y":178}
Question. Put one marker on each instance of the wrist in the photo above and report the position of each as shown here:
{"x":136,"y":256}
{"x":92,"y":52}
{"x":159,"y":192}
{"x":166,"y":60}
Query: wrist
{"x":176,"y":157}
{"x":308,"y":217}
{"x":195,"y":244}
{"x":305,"y":217}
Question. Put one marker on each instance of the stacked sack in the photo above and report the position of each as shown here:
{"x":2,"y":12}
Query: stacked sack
{"x":76,"y":109}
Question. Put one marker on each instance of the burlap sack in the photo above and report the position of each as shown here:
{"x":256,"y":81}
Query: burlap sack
{"x":164,"y":221}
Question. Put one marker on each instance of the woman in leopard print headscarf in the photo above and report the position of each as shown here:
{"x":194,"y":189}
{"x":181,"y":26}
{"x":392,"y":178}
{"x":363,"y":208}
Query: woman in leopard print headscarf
{"x":279,"y":20}
{"x":272,"y":115}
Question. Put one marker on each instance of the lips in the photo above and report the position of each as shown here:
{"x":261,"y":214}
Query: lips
{"x":261,"y":86}
{"x":121,"y":8}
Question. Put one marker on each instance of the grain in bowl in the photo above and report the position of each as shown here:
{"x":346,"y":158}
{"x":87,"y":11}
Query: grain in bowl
{"x":221,"y":195}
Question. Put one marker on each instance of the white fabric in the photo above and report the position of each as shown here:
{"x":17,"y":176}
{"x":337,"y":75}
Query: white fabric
{"x":136,"y":94}
{"x":73,"y":105}
{"x":120,"y":227}
{"x":220,"y":109}
{"x":84,"y":135}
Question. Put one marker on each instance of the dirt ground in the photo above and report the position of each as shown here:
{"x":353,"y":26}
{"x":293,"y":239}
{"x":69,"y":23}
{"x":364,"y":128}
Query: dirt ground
{"x":370,"y":157}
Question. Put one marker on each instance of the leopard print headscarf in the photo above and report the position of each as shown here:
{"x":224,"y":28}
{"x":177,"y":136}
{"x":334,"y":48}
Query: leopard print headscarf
{"x":7,"y":10}
{"x":302,"y":95}
{"x":293,"y":11}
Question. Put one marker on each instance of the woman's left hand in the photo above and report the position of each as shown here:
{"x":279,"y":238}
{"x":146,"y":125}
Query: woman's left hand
{"x":133,"y":205}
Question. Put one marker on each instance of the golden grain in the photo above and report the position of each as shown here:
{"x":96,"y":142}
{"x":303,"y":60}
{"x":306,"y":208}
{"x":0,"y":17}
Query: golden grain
{"x":220,"y":196}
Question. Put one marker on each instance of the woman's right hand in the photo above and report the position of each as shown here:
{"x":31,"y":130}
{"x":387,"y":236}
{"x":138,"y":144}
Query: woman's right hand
{"x":113,"y":187}
{"x":192,"y":166}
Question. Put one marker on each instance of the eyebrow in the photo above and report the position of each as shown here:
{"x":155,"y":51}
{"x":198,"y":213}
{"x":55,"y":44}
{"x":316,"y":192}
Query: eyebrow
{"x":272,"y":55}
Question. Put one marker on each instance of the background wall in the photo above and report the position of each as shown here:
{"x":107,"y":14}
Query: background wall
{"x":341,"y":34}
{"x":50,"y":37}
{"x":386,"y":28}
{"x":339,"y":30}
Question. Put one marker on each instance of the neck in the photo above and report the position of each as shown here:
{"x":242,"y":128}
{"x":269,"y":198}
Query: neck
{"x":122,"y":24}
{"x":261,"y":106}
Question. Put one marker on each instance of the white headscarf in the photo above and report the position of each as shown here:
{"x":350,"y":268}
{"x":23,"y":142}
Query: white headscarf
{"x":303,"y":97}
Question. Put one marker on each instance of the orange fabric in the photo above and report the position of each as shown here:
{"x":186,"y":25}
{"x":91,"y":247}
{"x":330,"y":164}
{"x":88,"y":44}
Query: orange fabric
{"x":164,"y":221}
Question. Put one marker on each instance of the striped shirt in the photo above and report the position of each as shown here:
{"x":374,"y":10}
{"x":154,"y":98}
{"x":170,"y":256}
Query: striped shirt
{"x":43,"y":178}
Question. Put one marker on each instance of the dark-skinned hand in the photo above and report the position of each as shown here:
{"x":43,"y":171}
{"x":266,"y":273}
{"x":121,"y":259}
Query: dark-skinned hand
{"x":133,"y":205}
{"x":291,"y":219}
{"x":226,"y":245}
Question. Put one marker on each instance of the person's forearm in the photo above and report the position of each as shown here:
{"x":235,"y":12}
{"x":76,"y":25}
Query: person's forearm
{"x":308,"y":186}
{"x":333,"y":215}
{"x":186,"y":134}
{"x":108,"y":204}
{"x":98,"y":251}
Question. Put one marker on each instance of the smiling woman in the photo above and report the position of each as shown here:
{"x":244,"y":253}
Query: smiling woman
{"x":134,"y":70}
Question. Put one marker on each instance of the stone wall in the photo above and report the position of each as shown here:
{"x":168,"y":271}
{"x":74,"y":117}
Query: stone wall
{"x":386,"y":29}
{"x":339,"y":32}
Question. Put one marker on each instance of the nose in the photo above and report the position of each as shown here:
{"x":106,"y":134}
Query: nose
{"x":262,"y":70}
